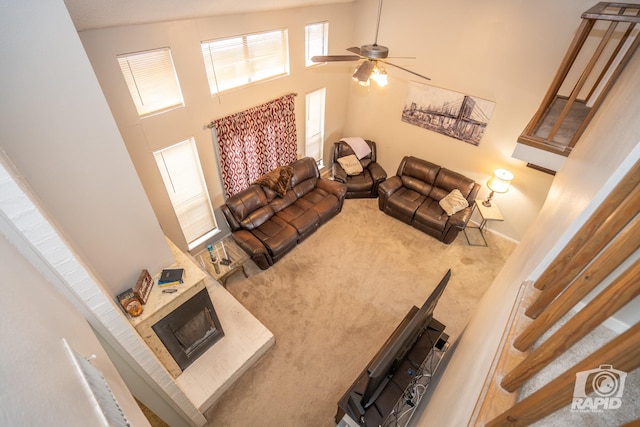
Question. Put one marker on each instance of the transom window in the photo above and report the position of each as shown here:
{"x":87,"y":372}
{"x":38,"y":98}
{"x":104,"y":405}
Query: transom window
{"x":152,"y":81}
{"x":316,"y":41}
{"x":242,"y":60}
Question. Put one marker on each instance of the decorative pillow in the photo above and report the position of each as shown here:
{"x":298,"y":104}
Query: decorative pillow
{"x":453,"y":202}
{"x":350,"y":164}
{"x":278,"y":180}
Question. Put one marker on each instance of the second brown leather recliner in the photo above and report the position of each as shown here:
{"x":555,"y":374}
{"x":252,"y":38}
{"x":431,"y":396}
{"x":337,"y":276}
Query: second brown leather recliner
{"x":365,"y":184}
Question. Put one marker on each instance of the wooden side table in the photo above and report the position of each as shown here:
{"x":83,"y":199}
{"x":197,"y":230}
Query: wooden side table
{"x":487,"y":213}
{"x":228,"y":258}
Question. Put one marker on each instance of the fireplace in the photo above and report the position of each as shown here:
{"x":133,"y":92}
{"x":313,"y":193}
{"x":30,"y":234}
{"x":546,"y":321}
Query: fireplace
{"x":190,"y":330}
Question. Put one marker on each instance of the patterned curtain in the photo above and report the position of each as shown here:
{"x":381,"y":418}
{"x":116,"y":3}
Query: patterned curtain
{"x":256,"y":141}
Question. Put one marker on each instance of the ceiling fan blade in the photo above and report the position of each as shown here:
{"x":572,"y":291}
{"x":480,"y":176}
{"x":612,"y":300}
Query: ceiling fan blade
{"x":404,"y":69}
{"x":355,"y":50}
{"x":335,"y":58}
{"x":364,"y":71}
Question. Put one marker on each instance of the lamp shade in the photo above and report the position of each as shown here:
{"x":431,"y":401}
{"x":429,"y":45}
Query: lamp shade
{"x":500,"y":181}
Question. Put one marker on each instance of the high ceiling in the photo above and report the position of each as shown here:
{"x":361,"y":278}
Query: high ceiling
{"x":92,"y":14}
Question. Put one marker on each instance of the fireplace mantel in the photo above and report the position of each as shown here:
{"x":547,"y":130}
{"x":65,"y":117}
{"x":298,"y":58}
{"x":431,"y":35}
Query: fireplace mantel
{"x":160,"y":304}
{"x":245,"y":338}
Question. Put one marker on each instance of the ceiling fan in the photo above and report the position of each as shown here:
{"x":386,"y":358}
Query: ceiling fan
{"x":373,"y":55}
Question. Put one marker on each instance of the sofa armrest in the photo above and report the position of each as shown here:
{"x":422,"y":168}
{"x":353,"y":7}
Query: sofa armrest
{"x":386,"y":189}
{"x":339,"y":174}
{"x":390,"y":186}
{"x":253,"y":247}
{"x":231,"y":220}
{"x":336,"y":188}
{"x":378,"y":174}
{"x":461,"y":218}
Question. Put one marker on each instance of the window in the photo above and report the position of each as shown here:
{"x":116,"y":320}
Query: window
{"x":314,"y":131}
{"x":182,"y":175}
{"x":152,"y":81}
{"x":316,"y":41}
{"x":242,"y":60}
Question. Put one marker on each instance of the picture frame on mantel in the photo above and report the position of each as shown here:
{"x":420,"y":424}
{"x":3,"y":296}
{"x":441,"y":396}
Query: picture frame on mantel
{"x":143,"y":286}
{"x":449,"y":113}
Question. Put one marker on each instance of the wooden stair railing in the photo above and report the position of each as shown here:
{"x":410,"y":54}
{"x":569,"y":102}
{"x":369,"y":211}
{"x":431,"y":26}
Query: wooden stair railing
{"x":604,"y":244}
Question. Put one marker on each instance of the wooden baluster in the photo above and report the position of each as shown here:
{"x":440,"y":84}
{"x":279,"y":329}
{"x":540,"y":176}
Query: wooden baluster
{"x":627,"y":242}
{"x":614,"y":297}
{"x":613,"y":200}
{"x":597,"y":240}
{"x":623,"y":353}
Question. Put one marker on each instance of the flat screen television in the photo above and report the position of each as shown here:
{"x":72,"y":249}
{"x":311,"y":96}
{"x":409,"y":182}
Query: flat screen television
{"x":395,"y":349}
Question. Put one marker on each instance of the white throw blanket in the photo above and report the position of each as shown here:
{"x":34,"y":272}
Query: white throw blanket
{"x":358,"y":145}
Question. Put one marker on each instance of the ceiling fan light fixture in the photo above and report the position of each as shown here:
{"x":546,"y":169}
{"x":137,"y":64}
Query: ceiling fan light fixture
{"x":379,"y":75}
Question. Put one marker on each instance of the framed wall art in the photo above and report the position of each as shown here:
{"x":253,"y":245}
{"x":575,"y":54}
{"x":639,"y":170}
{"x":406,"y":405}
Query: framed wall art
{"x":450,"y":113}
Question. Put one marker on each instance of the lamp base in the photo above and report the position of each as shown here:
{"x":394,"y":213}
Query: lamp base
{"x":487,"y":202}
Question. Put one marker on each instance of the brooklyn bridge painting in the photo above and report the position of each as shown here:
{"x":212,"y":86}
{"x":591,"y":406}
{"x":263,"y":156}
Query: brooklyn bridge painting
{"x":450,"y":113}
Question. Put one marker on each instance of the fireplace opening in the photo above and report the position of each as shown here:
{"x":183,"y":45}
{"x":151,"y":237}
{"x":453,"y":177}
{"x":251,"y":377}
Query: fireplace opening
{"x":190,"y":330}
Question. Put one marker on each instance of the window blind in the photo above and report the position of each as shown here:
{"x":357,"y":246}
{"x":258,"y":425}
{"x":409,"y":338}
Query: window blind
{"x":242,"y":60}
{"x":314,"y":130}
{"x":180,"y":168}
{"x":316,"y":41}
{"x":152,"y":81}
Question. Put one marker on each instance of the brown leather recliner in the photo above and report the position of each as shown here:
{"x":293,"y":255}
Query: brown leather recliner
{"x":413,"y":196}
{"x":366,"y":183}
{"x":267,"y":226}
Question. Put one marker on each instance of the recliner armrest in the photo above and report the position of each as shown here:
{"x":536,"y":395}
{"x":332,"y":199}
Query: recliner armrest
{"x":378,"y":174}
{"x":339,"y":173}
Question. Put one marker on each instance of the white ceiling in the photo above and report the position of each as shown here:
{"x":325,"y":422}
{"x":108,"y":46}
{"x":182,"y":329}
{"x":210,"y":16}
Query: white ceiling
{"x":92,"y":14}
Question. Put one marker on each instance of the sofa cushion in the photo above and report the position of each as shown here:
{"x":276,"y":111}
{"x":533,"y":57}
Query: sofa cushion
{"x":325,"y":204}
{"x":421,"y":169}
{"x":276,"y":235}
{"x":301,"y":216}
{"x":304,"y":169}
{"x":405,"y":201}
{"x":447,"y":181}
{"x":246,"y":201}
{"x":360,"y":182}
{"x":431,"y":215}
{"x":417,"y":185}
{"x":257,"y":218}
{"x":278,"y":180}
{"x":453,"y":202}
{"x":350,"y":164}
{"x":279,"y":203}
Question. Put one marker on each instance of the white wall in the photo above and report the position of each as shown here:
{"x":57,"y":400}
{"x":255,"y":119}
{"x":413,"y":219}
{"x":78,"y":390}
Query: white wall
{"x":38,"y":382}
{"x":606,"y":151}
{"x":143,"y":136}
{"x":506,"y":52}
{"x":57,"y":129}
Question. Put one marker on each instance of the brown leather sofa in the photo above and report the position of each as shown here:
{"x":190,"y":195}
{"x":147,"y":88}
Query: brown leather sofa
{"x":414,"y":193}
{"x":267,"y":225}
{"x":364,"y":184}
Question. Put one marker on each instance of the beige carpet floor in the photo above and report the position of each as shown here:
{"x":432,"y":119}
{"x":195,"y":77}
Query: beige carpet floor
{"x":333,"y":301}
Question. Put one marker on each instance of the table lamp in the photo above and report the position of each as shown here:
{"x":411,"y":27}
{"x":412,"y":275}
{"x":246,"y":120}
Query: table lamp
{"x":498,"y":183}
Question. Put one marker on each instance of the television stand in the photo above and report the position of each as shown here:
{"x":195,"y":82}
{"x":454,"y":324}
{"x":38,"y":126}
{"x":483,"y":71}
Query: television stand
{"x":395,"y":400}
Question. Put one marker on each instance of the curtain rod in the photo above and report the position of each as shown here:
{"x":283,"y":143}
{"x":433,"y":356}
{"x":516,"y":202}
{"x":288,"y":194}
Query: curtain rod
{"x":211,"y":125}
